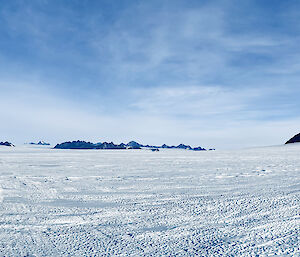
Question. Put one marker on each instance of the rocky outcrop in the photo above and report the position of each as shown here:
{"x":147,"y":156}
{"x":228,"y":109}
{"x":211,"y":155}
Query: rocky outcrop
{"x":110,"y":145}
{"x":39,"y":143}
{"x":182,"y":146}
{"x":88,"y":145}
{"x":166,"y":146}
{"x":6,"y":143}
{"x":134,"y":145}
{"x":199,"y":148}
{"x":294,"y":139}
{"x":75,"y":145}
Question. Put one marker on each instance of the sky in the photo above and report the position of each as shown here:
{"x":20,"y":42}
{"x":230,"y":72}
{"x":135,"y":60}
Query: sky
{"x":222,"y":74}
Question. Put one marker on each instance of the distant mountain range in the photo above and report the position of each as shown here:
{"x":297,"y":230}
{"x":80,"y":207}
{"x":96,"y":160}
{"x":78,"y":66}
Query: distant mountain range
{"x":294,"y":139}
{"x":131,"y":145}
{"x":6,"y":143}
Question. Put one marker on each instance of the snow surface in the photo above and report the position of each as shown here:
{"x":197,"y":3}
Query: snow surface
{"x":143,"y":203}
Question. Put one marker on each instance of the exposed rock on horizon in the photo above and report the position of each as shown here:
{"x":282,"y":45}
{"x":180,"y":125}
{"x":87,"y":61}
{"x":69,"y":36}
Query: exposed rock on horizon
{"x":6,"y":143}
{"x":294,"y":139}
{"x":88,"y":145}
{"x":134,"y":145}
{"x":39,"y":143}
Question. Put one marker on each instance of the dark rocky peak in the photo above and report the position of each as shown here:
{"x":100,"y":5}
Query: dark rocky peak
{"x":111,"y":145}
{"x":39,"y":143}
{"x":6,"y":143}
{"x":182,"y":146}
{"x":199,"y":148}
{"x":134,"y":145}
{"x":294,"y":139}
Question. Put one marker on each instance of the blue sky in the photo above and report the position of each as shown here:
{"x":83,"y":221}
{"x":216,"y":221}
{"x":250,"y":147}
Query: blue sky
{"x":221,"y":74}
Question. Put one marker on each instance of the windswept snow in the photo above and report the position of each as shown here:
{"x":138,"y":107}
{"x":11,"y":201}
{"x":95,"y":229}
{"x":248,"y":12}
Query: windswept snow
{"x":1,"y":197}
{"x":143,"y":203}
